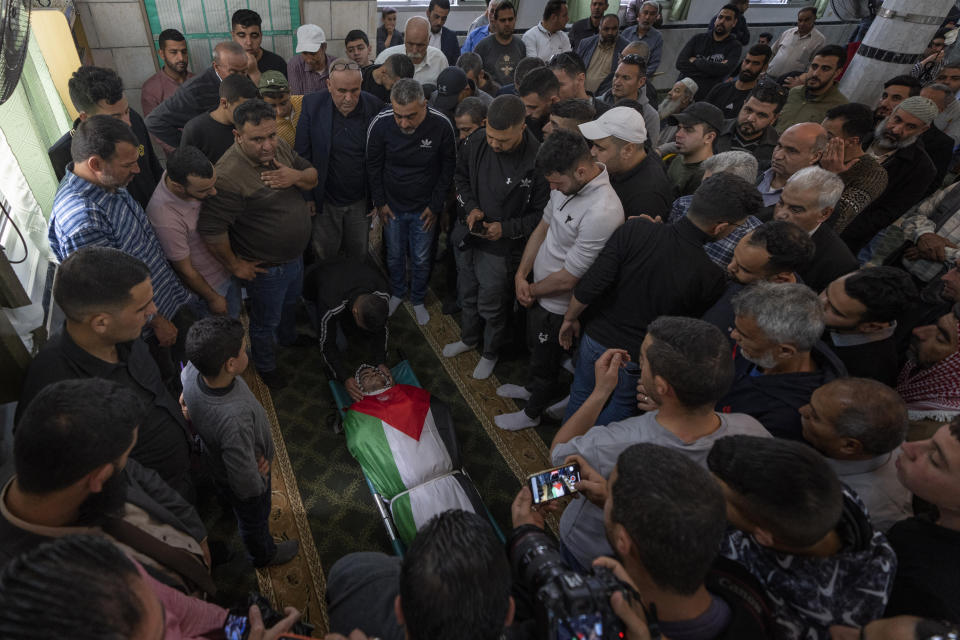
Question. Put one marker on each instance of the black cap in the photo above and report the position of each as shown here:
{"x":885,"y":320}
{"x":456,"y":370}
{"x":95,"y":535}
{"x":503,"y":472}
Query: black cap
{"x":450,"y":83}
{"x":696,"y":113}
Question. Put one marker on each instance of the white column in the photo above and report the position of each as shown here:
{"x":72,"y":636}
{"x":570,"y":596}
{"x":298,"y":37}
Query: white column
{"x":895,"y":41}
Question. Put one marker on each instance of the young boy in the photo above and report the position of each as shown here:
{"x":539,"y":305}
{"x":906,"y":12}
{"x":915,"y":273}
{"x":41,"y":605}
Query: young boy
{"x":235,"y":432}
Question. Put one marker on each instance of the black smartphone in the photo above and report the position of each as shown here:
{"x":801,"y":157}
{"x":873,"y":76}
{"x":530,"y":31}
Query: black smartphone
{"x":554,"y":483}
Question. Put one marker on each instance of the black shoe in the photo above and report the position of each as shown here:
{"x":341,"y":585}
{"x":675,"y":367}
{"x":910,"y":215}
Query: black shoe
{"x":273,"y":379}
{"x":286,"y":551}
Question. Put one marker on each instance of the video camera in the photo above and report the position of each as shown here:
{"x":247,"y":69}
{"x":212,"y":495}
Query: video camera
{"x":569,"y":604}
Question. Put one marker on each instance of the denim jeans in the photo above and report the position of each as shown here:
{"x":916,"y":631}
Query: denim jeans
{"x":405,"y":236}
{"x":622,"y":403}
{"x":253,"y":521}
{"x":230,"y":289}
{"x":273,"y":306}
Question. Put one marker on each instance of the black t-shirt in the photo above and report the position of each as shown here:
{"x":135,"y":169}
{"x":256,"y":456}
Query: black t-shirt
{"x":726,"y":97}
{"x":371,"y":86}
{"x":500,"y":60}
{"x":270,"y":61}
{"x":208,"y":135}
{"x":345,"y":172}
{"x":927,"y":583}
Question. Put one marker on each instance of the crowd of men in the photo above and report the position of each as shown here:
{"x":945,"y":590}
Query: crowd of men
{"x":754,"y":282}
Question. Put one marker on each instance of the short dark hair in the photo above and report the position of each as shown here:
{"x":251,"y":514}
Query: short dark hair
{"x":832,"y":50}
{"x":399,"y":66}
{"x":761,"y":50}
{"x":575,"y":109}
{"x":238,"y":86}
{"x":373,"y":311}
{"x":505,"y":111}
{"x":941,"y":33}
{"x":910,"y":82}
{"x":886,"y":292}
{"x":693,"y":357}
{"x":245,"y":18}
{"x":724,"y":197}
{"x":212,"y":341}
{"x":767,"y":35}
{"x":790,"y":247}
{"x":253,"y":111}
{"x":637,"y":61}
{"x":90,"y":85}
{"x":880,"y":424}
{"x":99,"y":136}
{"x":188,"y":161}
{"x":64,"y":434}
{"x":731,"y":7}
{"x":471,"y":61}
{"x":96,"y":279}
{"x":552,"y":8}
{"x":562,"y":152}
{"x":443,"y":4}
{"x":504,"y":5}
{"x":524,"y":67}
{"x":568,"y":62}
{"x":540,"y":81}
{"x":784,"y":486}
{"x":472,"y":107}
{"x":857,"y":119}
{"x":673,"y":511}
{"x":169,"y":35}
{"x":455,"y":579}
{"x":48,"y":579}
{"x":769,"y":92}
{"x":358,"y":34}
{"x":808,"y":9}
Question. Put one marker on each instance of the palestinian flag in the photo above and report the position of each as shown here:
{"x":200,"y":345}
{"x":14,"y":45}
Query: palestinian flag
{"x":395,"y":437}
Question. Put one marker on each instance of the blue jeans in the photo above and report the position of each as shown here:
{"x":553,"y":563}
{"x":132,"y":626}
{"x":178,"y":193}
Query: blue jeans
{"x":405,"y":235}
{"x":273,"y":306}
{"x":253,"y":521}
{"x":622,"y":403}
{"x":230,"y":289}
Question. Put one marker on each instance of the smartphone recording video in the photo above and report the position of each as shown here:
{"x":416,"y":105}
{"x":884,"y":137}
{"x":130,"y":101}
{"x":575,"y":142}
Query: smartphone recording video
{"x":554,"y":483}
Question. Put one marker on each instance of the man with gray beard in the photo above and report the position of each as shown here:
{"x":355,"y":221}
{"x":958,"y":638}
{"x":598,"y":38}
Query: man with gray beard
{"x":678,"y":98}
{"x":909,"y":169}
{"x":780,"y":360}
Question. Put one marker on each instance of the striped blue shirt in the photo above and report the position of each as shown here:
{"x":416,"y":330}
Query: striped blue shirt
{"x":85,"y":215}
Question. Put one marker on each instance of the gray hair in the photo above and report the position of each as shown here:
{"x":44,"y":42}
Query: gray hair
{"x":828,"y":185}
{"x":412,"y":20}
{"x":227,"y":47}
{"x":655,"y":5}
{"x":739,"y":163}
{"x":948,"y":95}
{"x":787,"y":313}
{"x":405,"y":91}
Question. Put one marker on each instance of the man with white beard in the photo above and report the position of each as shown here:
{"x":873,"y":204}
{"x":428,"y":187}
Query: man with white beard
{"x":427,"y":61}
{"x":909,"y":169}
{"x":780,"y":360}
{"x":678,"y":98}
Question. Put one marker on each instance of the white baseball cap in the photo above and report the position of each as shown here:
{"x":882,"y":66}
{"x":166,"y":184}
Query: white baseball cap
{"x":624,"y":123}
{"x":310,"y":38}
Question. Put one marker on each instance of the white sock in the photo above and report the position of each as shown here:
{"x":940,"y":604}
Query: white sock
{"x":423,"y":316}
{"x":484,"y":368}
{"x":557,"y":409}
{"x":514,"y":391}
{"x":568,"y":365}
{"x":455,"y":349}
{"x":515,"y":421}
{"x":393,"y":304}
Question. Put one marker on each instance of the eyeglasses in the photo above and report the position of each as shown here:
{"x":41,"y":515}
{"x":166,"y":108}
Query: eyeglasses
{"x":344,"y":66}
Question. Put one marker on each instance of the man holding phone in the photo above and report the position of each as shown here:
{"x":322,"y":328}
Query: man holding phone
{"x":502,"y":197}
{"x":685,"y":367}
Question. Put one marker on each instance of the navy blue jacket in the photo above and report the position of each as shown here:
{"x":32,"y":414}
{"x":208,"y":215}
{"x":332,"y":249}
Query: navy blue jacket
{"x":449,"y":45}
{"x":588,"y":46}
{"x":313,"y":132}
{"x":775,"y":400}
{"x":411,"y":172}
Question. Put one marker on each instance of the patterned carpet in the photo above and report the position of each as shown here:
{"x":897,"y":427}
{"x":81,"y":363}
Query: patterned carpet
{"x":320,"y":496}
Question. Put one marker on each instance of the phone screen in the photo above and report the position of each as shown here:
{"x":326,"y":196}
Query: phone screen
{"x":554,"y":483}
